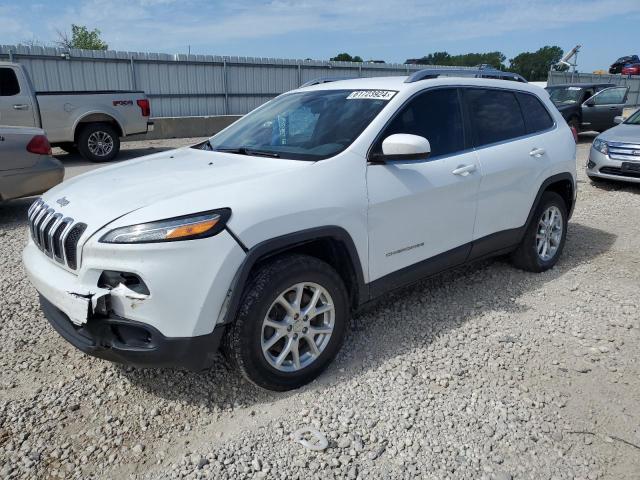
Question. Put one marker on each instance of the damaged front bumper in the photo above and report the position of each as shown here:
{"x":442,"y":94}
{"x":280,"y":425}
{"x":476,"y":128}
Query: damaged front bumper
{"x":133,"y":343}
{"x":174,"y":323}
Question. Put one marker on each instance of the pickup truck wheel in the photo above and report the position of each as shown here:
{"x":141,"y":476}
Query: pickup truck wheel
{"x":291,"y":324}
{"x":545,"y":237}
{"x":99,"y":142}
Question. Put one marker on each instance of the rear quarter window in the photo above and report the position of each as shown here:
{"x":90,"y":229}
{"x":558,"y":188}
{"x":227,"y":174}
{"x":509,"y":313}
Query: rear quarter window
{"x":495,"y":115}
{"x":536,"y":116}
{"x":8,"y":83}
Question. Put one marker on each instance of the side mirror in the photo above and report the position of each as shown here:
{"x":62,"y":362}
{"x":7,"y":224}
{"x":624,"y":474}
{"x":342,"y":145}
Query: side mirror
{"x":590,"y":102}
{"x":403,"y":146}
{"x":619,"y":119}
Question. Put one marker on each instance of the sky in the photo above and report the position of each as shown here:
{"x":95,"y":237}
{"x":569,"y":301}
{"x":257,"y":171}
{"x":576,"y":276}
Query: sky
{"x":319,"y":29}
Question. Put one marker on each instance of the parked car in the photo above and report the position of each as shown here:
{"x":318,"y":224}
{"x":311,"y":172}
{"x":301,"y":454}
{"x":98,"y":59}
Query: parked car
{"x":618,"y":65}
{"x":615,"y":154}
{"x":26,"y":165}
{"x":631,"y":69}
{"x":589,"y":106}
{"x":267,"y":236}
{"x":92,"y":122}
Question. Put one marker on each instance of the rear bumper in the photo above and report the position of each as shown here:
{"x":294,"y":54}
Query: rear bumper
{"x":45,"y":174}
{"x":134,"y":343}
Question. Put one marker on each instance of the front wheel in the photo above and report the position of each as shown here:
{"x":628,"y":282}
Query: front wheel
{"x":99,"y":142}
{"x":291,"y":324}
{"x":544,"y":239}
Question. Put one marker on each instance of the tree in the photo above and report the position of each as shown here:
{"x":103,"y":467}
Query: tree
{"x":535,"y":66}
{"x":81,"y":38}
{"x":345,"y":57}
{"x":495,"y":59}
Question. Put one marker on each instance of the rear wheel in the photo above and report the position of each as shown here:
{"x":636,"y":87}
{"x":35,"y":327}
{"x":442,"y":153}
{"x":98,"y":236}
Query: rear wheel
{"x":99,"y":142}
{"x":291,"y":324}
{"x":544,"y":239}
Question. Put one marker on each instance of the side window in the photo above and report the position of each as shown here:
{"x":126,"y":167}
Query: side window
{"x":536,"y":116}
{"x":495,"y":115}
{"x":8,"y":82}
{"x":435,"y":115}
{"x":611,"y":96}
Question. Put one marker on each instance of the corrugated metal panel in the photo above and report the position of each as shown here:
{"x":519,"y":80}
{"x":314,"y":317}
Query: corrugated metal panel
{"x":633,"y":83}
{"x":183,"y":85}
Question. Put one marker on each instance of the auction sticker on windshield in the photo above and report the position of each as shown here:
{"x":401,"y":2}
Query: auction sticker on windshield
{"x":371,"y":95}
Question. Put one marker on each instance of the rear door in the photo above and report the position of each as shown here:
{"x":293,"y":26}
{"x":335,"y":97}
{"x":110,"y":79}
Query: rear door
{"x":510,"y":158}
{"x":599,"y":111}
{"x":15,"y":102}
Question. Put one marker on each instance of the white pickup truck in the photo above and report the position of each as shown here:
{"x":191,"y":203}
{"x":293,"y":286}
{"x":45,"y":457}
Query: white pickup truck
{"x":91,"y":122}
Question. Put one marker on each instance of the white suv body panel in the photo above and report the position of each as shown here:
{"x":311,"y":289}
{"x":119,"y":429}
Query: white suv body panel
{"x":383,"y":209}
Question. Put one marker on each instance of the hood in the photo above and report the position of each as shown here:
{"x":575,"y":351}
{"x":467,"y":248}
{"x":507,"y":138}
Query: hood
{"x":105,"y":194}
{"x":622,"y":133}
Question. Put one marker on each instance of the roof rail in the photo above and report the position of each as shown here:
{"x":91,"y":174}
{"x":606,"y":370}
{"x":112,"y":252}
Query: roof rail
{"x":318,"y":81}
{"x":428,"y":73}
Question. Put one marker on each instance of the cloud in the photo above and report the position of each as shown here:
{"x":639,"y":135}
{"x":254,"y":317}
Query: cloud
{"x":161,"y":25}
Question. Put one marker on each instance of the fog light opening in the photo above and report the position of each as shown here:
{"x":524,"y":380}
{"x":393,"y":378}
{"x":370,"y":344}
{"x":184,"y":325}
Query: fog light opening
{"x":111,"y":279}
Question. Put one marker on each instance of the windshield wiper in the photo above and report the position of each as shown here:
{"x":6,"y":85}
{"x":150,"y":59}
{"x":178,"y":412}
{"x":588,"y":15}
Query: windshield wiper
{"x":248,"y":151}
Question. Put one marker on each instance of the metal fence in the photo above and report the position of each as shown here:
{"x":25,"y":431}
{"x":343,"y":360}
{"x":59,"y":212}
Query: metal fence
{"x":633,"y":83}
{"x":183,"y":85}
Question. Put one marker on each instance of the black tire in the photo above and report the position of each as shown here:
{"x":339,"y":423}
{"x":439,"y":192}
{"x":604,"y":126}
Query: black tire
{"x":243,"y":339}
{"x":69,"y":147}
{"x":526,"y":255}
{"x":102,"y":130}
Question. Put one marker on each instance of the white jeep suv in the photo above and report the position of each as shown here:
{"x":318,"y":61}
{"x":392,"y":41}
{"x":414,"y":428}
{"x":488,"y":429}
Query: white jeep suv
{"x":265,"y":238}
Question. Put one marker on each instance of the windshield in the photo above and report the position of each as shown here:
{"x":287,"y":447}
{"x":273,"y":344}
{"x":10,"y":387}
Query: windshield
{"x":303,"y":126}
{"x":634,"y":119}
{"x":565,"y":96}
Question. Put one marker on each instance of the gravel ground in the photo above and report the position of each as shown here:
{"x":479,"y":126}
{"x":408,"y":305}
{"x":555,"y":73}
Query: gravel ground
{"x":485,"y":372}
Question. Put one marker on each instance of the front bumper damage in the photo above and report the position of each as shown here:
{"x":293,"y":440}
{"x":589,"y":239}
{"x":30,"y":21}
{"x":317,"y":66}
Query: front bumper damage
{"x":126,"y":341}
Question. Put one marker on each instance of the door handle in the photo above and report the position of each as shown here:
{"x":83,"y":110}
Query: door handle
{"x":537,"y":152}
{"x":464,"y":170}
{"x":21,"y":106}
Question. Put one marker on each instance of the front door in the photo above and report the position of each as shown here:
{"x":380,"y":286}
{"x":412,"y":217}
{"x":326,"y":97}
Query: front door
{"x":419,"y":209}
{"x":599,"y":111}
{"x":15,"y":104}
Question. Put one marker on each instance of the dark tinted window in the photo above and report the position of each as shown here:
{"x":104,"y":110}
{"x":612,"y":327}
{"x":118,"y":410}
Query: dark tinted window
{"x":8,"y":82}
{"x":495,"y":114}
{"x":536,"y":116}
{"x":434,"y":115}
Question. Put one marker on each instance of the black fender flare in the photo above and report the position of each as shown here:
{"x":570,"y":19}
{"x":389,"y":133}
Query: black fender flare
{"x":545,"y":185}
{"x":271,"y":247}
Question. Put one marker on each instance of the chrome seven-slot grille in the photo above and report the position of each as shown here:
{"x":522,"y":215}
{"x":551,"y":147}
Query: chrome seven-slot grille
{"x":624,"y":151}
{"x":56,"y":235}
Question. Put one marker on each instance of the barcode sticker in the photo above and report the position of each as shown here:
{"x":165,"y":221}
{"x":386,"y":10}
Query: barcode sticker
{"x":371,"y":95}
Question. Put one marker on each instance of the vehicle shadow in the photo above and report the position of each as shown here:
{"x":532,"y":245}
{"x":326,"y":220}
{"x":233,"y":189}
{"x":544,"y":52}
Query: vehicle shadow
{"x":13,"y":213}
{"x":616,"y":186}
{"x":387,"y":328}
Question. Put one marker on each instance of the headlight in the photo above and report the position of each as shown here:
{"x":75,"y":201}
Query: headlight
{"x":188,"y":227}
{"x":601,"y":146}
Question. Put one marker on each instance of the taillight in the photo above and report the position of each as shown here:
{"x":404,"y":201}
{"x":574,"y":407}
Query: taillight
{"x":575,"y":134}
{"x":144,"y":107}
{"x":40,"y":145}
